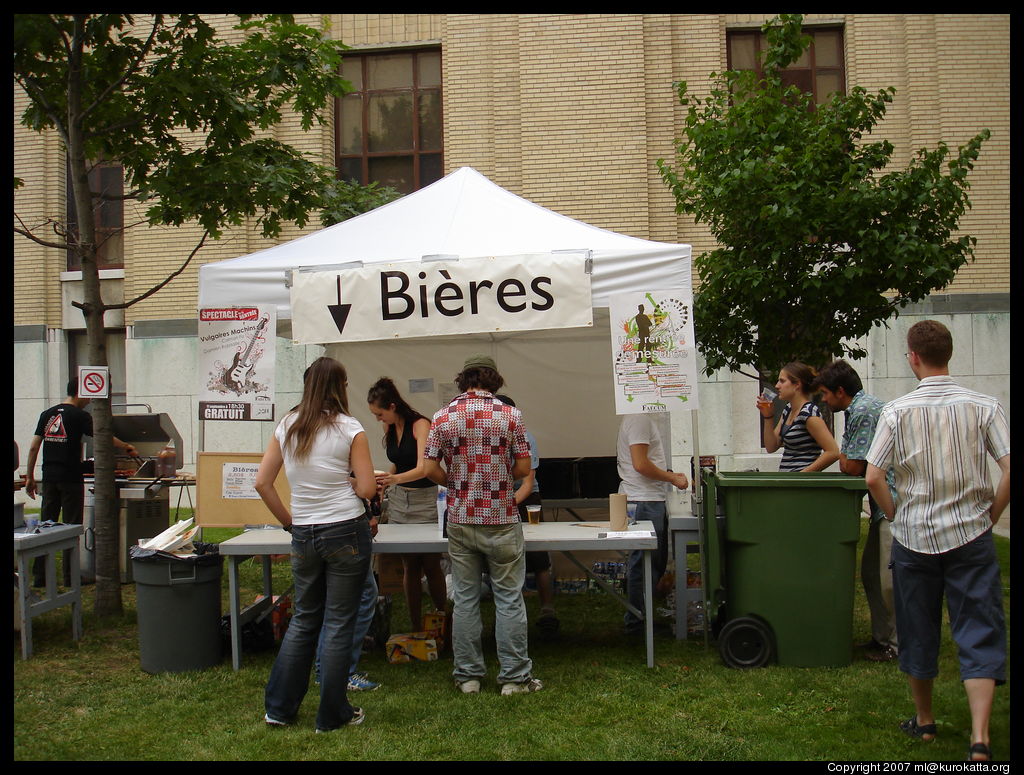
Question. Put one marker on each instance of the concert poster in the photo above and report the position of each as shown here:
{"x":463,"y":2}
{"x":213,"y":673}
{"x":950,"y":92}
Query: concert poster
{"x":236,"y":363}
{"x":653,"y":351}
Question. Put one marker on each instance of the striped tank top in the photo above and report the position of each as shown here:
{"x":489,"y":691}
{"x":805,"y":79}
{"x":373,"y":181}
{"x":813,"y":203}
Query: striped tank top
{"x":800,"y":447}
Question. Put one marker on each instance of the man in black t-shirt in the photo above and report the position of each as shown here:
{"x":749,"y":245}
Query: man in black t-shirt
{"x":59,"y":434}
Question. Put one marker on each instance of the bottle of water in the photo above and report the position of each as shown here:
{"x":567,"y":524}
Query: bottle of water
{"x":442,"y":503}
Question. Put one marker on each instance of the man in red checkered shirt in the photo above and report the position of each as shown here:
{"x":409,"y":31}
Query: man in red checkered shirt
{"x":477,"y":436}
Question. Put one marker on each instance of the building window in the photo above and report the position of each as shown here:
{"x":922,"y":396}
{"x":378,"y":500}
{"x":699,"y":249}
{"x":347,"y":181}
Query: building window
{"x":389,"y":129}
{"x":106,"y":182}
{"x":820,"y":70}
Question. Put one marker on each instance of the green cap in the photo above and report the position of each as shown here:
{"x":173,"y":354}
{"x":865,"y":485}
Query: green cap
{"x":480,"y":362}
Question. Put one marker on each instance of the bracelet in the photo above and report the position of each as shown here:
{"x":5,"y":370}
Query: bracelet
{"x":287,"y":528}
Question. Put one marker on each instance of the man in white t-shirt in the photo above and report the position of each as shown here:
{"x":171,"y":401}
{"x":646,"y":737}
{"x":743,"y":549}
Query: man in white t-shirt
{"x":642,"y":462}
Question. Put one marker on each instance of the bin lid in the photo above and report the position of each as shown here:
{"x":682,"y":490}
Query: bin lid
{"x":789,"y":479}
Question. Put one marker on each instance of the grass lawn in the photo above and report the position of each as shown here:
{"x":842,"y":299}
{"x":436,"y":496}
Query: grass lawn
{"x":91,"y":701}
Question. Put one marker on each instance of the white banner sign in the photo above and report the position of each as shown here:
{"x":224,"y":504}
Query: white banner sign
{"x":236,"y":363}
{"x":440,"y":298}
{"x":653,"y":350}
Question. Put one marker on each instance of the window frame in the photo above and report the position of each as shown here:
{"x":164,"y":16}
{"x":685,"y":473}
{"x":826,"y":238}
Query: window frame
{"x":102,"y":210}
{"x":812,"y":67}
{"x":417,"y":152}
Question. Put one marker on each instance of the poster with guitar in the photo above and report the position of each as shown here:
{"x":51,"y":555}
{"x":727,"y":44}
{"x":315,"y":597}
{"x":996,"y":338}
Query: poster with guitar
{"x":655,"y":356}
{"x":236,"y":363}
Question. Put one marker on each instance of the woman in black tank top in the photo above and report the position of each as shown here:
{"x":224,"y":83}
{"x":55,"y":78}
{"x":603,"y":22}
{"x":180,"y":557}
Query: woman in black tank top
{"x":411,"y":497}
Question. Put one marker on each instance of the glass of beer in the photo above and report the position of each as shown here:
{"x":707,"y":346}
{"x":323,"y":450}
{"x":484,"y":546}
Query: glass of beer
{"x":533,"y":513}
{"x":764,"y":401}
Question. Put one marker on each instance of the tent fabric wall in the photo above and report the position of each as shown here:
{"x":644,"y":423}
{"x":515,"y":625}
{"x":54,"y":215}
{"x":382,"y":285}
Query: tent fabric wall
{"x":464,"y":214}
{"x":561,"y":380}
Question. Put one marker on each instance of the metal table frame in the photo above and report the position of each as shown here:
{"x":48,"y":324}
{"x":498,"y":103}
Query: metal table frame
{"x":565,"y":537}
{"x":47,"y":543}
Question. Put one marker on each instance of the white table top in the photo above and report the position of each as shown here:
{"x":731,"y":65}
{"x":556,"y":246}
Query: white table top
{"x":46,"y":535}
{"x":403,"y":539}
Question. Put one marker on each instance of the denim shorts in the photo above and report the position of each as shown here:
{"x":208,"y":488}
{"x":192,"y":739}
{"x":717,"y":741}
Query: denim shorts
{"x":968,"y":577}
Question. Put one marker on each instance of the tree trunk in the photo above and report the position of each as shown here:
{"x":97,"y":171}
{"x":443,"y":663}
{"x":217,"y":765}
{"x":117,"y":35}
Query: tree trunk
{"x":106,"y":504}
{"x":105,"y":514}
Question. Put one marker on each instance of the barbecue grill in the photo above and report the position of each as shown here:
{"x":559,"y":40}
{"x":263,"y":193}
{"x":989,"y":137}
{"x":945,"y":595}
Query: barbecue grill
{"x":144,"y":493}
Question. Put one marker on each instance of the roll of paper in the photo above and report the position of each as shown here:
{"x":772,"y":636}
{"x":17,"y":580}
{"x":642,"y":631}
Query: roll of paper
{"x":617,"y":511}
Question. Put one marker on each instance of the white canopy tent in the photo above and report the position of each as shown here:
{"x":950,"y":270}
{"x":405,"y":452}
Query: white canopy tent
{"x":464,"y":214}
{"x":560,"y":379}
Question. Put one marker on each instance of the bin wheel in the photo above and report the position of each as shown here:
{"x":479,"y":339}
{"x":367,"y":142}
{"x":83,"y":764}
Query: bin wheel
{"x":746,"y":642}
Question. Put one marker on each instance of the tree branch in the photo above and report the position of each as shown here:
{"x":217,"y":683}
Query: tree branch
{"x":151,"y":291}
{"x":130,"y":70}
{"x":27,"y":232}
{"x":36,"y":94}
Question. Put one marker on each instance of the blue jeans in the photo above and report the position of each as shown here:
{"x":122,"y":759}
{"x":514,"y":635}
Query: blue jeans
{"x":499,"y":550}
{"x":367,"y":609}
{"x":652,"y":511}
{"x":329,"y":566}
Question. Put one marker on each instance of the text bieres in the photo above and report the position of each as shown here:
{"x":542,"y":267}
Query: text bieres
{"x":449,"y":298}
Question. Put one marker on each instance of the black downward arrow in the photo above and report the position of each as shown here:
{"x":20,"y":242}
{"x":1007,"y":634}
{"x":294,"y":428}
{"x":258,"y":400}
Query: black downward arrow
{"x":339,"y":311}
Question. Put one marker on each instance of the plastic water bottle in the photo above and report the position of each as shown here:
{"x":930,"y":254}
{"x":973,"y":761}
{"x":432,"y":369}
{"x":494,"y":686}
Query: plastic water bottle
{"x":442,"y":503}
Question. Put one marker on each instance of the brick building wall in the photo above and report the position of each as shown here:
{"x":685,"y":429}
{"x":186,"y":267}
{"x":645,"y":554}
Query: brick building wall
{"x":572,"y":112}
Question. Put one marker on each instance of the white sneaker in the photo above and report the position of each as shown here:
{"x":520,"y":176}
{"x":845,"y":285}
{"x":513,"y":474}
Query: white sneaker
{"x":471,"y":686}
{"x":358,"y":716}
{"x":273,"y":722}
{"x":532,"y":685}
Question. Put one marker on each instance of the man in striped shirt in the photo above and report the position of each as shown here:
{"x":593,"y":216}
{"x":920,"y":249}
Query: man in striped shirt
{"x":936,"y":439}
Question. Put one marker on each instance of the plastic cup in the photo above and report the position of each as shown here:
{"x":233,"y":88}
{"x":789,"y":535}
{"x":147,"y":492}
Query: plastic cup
{"x":764,"y":401}
{"x":533,"y":513}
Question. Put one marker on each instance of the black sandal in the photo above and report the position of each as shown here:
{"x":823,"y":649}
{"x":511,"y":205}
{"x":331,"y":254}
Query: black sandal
{"x":912,"y":728}
{"x":981,"y":749}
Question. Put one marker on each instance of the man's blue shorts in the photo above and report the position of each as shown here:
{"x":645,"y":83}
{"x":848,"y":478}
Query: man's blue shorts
{"x":969,"y":578}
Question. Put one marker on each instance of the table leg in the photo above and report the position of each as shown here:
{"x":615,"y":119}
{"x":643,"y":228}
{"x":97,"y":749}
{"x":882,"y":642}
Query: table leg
{"x":24,"y":592}
{"x":682,"y":600}
{"x":236,"y":627}
{"x":76,"y":591}
{"x":268,"y":578}
{"x":648,"y":610}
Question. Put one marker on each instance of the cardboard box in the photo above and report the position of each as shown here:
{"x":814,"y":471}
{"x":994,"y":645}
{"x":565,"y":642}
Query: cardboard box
{"x":411,"y":647}
{"x":281,"y":614}
{"x":437,"y":624}
{"x":390,"y":573}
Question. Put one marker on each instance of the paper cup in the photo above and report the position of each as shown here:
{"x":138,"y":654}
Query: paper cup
{"x":617,"y":511}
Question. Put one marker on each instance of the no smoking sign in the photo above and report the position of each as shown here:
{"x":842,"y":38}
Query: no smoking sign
{"x":93,"y":382}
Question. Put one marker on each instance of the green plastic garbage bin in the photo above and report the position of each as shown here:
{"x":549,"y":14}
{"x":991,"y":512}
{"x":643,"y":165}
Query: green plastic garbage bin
{"x":787,"y":561}
{"x":178,"y":607}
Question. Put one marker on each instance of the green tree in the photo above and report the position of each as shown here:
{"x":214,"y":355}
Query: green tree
{"x":187,"y":117}
{"x":817,"y":242}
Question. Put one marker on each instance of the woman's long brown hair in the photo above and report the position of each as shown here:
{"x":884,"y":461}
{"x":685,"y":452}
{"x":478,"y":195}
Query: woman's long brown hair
{"x":324,"y":397}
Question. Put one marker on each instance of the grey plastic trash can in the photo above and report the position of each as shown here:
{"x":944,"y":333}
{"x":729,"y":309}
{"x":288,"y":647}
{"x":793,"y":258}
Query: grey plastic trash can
{"x":178,"y":605}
